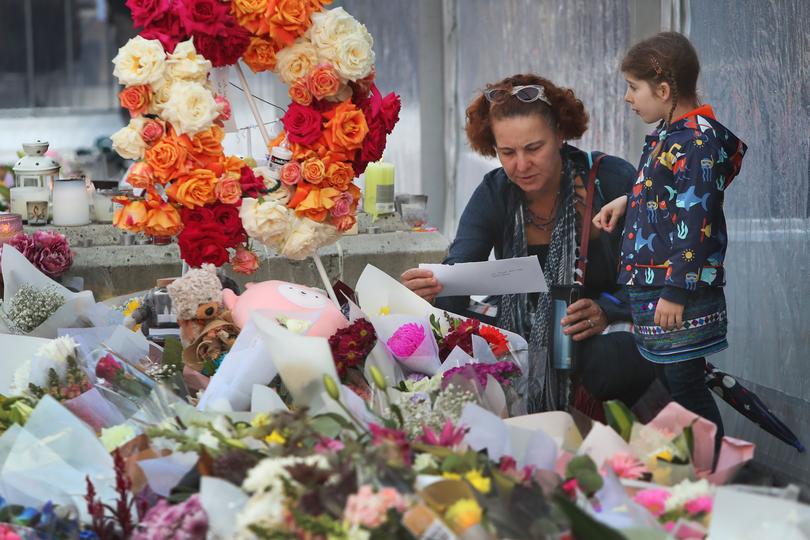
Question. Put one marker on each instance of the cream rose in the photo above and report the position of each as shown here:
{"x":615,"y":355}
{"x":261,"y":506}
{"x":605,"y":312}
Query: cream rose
{"x":295,"y":61}
{"x":328,"y":27}
{"x":184,"y":63}
{"x":267,"y":222}
{"x":128,"y":142}
{"x":140,"y":61}
{"x":354,"y":55}
{"x":306,"y":237}
{"x":191,"y":107}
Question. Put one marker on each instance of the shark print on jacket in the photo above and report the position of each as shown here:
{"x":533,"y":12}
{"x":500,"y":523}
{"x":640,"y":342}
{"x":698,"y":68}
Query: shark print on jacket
{"x":675,"y":230}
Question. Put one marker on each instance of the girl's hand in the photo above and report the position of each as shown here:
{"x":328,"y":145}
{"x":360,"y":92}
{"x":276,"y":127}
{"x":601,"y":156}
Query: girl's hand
{"x":584,"y":319}
{"x":668,"y":315}
{"x":610,"y":214}
{"x":422,"y":282}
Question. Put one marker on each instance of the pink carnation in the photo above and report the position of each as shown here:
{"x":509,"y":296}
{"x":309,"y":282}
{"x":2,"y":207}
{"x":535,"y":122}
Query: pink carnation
{"x":627,"y":466}
{"x":369,"y":509}
{"x":406,"y":340}
{"x":654,"y":500}
{"x":701,"y":505}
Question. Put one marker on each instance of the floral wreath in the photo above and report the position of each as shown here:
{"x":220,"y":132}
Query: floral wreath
{"x":337,"y":123}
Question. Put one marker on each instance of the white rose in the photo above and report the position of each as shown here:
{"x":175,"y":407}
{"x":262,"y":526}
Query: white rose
{"x":140,"y":61}
{"x":191,"y":107}
{"x":306,"y":237}
{"x":184,"y":63}
{"x":296,"y":61}
{"x":161,"y":92}
{"x":268,"y":222}
{"x":329,"y":26}
{"x":128,"y":142}
{"x":354,"y":55}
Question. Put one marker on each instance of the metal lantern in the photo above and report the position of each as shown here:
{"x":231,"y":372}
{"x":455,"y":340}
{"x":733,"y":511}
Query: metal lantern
{"x":34,"y":175}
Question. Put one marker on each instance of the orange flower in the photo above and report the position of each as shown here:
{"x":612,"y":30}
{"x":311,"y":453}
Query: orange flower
{"x":167,"y":158}
{"x":344,"y":223}
{"x":131,"y":216}
{"x":141,"y":176}
{"x":317,"y":203}
{"x":232,"y":165}
{"x":228,"y":189}
{"x":323,"y":82}
{"x":299,"y":92}
{"x":260,"y":55}
{"x":339,"y":174}
{"x":250,"y":14}
{"x":194,"y":189}
{"x":135,"y":99}
{"x":313,"y":170}
{"x":301,"y":192}
{"x":289,"y":19}
{"x":244,"y":261}
{"x":346,"y":127}
{"x":163,"y":219}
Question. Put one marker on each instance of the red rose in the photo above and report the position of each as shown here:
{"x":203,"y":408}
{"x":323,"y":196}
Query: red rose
{"x":373,"y":147}
{"x":224,"y":47}
{"x":203,"y":245}
{"x":391,"y":106}
{"x":168,"y":30}
{"x":198,"y":217}
{"x":302,"y":124}
{"x":108,"y":368}
{"x":251,"y":185}
{"x":204,"y":16}
{"x":230,"y":224}
{"x":144,"y":12}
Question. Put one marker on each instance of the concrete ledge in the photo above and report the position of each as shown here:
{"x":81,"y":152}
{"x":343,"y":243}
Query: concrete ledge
{"x":117,"y":270}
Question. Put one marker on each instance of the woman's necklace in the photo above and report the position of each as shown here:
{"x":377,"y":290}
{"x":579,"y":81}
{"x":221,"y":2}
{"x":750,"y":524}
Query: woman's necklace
{"x":543,"y":223}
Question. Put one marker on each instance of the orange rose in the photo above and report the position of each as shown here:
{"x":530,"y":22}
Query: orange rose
{"x":141,"y":176}
{"x":323,"y":82}
{"x":232,"y":165}
{"x":135,"y":99}
{"x":167,"y":158}
{"x":344,"y":223}
{"x":339,"y":174}
{"x":250,"y":14}
{"x":194,"y":189}
{"x":163,"y":219}
{"x":346,"y":127}
{"x":289,"y":19}
{"x":313,"y":170}
{"x":244,"y":261}
{"x":131,"y":216}
{"x":317,"y":203}
{"x":299,"y":92}
{"x":228,"y":190}
{"x":260,"y":55}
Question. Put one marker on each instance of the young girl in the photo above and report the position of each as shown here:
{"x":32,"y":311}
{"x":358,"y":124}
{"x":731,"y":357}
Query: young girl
{"x":675,"y":232}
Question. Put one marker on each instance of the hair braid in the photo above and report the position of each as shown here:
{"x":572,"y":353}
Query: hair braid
{"x":673,"y":95}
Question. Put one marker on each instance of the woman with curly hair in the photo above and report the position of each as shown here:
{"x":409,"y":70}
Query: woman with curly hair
{"x":535,"y":204}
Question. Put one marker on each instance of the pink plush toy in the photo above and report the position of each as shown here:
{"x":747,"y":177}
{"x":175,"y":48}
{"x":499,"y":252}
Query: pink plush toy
{"x":280,"y":299}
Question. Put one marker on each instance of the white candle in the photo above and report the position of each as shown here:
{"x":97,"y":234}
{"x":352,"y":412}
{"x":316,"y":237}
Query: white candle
{"x":21,"y":195}
{"x":71,"y":205}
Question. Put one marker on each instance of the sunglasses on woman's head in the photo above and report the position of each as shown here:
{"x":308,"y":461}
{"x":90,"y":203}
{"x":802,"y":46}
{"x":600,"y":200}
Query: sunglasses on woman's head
{"x":526,"y":94}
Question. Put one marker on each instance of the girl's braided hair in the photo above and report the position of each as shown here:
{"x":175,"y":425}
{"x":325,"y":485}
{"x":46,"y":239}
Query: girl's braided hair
{"x":669,"y":58}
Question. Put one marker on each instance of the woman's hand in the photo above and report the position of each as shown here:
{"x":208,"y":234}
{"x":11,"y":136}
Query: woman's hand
{"x":422,"y":282}
{"x":668,"y":315}
{"x":610,"y":214}
{"x":584,"y":319}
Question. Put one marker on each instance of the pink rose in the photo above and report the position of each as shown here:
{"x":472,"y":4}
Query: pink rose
{"x":244,"y":261}
{"x":151,"y":132}
{"x":291,"y":173}
{"x":344,"y":223}
{"x":225,"y":113}
{"x":343,"y":205}
{"x":228,"y":190}
{"x":108,"y":368}
{"x":144,"y":12}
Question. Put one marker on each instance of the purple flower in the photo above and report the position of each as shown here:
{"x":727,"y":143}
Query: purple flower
{"x":503,"y":372}
{"x":186,"y":520}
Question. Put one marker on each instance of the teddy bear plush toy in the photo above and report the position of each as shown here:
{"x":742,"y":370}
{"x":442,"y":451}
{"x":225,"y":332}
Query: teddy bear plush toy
{"x":197,"y":300}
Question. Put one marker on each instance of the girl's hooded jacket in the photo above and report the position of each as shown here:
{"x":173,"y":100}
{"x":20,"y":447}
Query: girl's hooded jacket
{"x":675,"y":231}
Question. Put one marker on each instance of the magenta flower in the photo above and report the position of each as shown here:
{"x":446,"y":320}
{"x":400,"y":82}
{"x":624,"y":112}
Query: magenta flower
{"x":654,"y":500}
{"x":328,"y":446}
{"x":503,"y":372}
{"x":627,"y":466}
{"x":450,"y":436}
{"x":382,"y":436}
{"x":406,"y":340}
{"x":508,"y":466}
{"x":701,"y":505}
{"x":47,"y":250}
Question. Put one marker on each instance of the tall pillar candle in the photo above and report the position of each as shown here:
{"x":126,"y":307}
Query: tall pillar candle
{"x":378,"y":195}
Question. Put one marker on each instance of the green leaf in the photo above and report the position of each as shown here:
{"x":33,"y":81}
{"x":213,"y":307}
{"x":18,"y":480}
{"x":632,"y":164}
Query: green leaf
{"x":329,"y":424}
{"x":173,"y":352}
{"x":583,"y":469}
{"x":583,"y":525}
{"x":620,"y":418}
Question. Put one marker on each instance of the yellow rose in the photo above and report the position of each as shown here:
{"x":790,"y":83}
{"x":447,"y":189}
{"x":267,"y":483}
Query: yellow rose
{"x":140,"y":61}
{"x":191,"y":107}
{"x":296,"y":61}
{"x":185,"y":63}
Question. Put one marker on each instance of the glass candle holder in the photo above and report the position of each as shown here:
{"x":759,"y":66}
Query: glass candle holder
{"x":10,"y":226}
{"x":71,"y":203}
